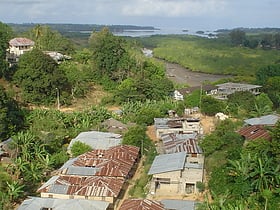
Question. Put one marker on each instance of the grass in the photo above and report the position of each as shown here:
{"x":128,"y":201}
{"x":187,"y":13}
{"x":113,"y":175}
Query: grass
{"x":212,"y":55}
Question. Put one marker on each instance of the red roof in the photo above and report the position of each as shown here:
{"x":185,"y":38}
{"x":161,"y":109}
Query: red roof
{"x":254,"y":132}
{"x":141,"y":204}
{"x":21,"y":42}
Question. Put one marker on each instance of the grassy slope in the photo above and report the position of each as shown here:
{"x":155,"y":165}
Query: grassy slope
{"x":212,"y":56}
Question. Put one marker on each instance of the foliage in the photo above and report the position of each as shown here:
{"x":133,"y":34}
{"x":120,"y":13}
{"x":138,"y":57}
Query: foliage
{"x":78,"y":77}
{"x":237,"y":37}
{"x":79,"y":148}
{"x":241,"y":102}
{"x":47,"y":39}
{"x":40,"y":78}
{"x":193,"y":99}
{"x":272,"y":88}
{"x":211,"y":106}
{"x":265,"y":72}
{"x":5,"y":35}
{"x":11,"y":116}
{"x":109,"y":53}
{"x":211,"y":55}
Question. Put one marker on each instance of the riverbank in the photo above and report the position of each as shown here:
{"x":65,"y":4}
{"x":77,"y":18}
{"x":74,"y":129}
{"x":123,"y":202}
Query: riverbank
{"x":183,"y":76}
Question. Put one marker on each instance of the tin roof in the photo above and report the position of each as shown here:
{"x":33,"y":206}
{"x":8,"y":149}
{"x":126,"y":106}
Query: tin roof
{"x":254,"y":132}
{"x":178,"y":204}
{"x":37,"y":203}
{"x":141,"y":204}
{"x":180,"y":143}
{"x":93,"y":186}
{"x":20,"y":41}
{"x":97,"y":140}
{"x":270,"y":120}
{"x":240,"y":86}
{"x":168,"y":162}
{"x":116,"y":161}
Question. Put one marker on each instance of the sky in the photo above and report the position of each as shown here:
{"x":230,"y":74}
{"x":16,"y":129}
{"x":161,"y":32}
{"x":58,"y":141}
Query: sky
{"x":185,"y":14}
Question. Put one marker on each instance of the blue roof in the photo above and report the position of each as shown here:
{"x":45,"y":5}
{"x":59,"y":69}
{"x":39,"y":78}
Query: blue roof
{"x":168,"y":162}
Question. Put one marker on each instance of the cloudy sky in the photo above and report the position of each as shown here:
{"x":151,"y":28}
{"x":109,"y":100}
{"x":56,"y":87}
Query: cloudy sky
{"x":188,"y":14}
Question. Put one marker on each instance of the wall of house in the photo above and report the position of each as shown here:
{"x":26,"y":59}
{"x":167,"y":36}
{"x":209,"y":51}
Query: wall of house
{"x":199,"y":159}
{"x":63,"y":196}
{"x":19,"y":50}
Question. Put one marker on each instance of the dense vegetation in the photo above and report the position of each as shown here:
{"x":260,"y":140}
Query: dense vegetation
{"x":217,"y":56}
{"x":242,"y":176}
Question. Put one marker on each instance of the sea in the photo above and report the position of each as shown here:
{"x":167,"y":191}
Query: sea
{"x":163,"y":31}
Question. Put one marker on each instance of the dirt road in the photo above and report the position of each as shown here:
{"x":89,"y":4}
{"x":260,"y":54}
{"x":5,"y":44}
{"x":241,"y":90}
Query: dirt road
{"x":181,"y":75}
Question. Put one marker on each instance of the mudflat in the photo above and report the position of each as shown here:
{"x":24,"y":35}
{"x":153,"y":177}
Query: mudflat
{"x":181,"y":75}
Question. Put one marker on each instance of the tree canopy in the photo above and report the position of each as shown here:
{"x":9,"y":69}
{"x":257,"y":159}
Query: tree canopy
{"x":11,"y":116}
{"x":40,"y":78}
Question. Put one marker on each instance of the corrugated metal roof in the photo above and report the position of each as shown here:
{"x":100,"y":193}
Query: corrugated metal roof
{"x":270,"y":120}
{"x":97,"y":140}
{"x":254,"y":132}
{"x":20,"y":41}
{"x":80,"y":170}
{"x":51,"y":181}
{"x":231,"y":85}
{"x":168,"y":162}
{"x":178,"y":204}
{"x":141,"y":204}
{"x":173,"y":143}
{"x":37,"y":203}
{"x":93,"y":186}
{"x":58,"y":189}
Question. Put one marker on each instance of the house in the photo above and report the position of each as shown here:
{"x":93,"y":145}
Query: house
{"x":37,"y":203}
{"x":181,"y":93}
{"x":97,"y":140}
{"x":177,"y":125}
{"x":253,"y":132}
{"x":228,"y":88}
{"x":115,"y":126}
{"x":57,"y":56}
{"x":267,"y":120}
{"x":17,"y":47}
{"x":83,"y":187}
{"x":172,"y":204}
{"x":173,"y":143}
{"x":141,"y":204}
{"x":119,"y":161}
{"x":172,"y":174}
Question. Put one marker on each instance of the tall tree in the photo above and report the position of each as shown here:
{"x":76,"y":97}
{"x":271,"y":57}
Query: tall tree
{"x":11,"y":116}
{"x":5,"y":35}
{"x":40,"y":78}
{"x":108,"y":51}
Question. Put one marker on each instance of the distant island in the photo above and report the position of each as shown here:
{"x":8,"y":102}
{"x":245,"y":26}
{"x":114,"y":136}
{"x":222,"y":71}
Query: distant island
{"x":79,"y":28}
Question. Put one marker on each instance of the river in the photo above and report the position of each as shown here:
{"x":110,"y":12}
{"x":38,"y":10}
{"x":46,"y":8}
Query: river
{"x":181,"y":75}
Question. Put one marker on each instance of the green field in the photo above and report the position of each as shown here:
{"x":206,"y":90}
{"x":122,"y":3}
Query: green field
{"x":211,"y":55}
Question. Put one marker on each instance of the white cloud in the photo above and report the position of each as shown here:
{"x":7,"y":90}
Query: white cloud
{"x":172,"y":8}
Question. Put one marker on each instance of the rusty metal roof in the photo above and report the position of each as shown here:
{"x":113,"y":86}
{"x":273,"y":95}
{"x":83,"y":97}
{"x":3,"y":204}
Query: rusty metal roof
{"x":141,"y":204}
{"x":173,"y":143}
{"x":116,"y":161}
{"x":20,"y":41}
{"x":93,"y":186}
{"x":254,"y":132}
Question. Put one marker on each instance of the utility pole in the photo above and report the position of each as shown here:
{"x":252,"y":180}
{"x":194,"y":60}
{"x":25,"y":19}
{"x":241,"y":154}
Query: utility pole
{"x":57,"y":98}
